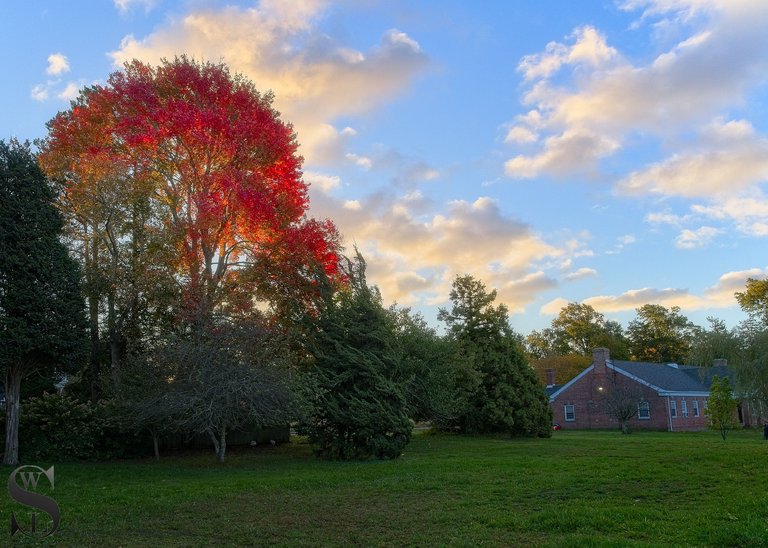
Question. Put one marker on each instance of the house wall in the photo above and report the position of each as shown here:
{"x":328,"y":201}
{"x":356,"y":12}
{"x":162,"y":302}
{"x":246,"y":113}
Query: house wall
{"x":589,"y":403}
{"x":587,"y":395}
{"x":689,"y":423}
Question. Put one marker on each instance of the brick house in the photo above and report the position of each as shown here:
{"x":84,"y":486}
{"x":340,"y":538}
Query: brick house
{"x":671,"y":397}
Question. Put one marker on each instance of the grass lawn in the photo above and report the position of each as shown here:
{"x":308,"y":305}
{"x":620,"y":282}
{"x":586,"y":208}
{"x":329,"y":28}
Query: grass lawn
{"x":575,"y":489}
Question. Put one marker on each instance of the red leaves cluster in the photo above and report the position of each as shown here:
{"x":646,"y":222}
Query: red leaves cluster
{"x":222,"y":169}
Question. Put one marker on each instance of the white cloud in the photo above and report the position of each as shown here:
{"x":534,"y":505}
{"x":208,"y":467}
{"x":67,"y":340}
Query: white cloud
{"x":124,"y":6}
{"x":701,"y":237}
{"x":589,"y":48}
{"x":722,"y":56}
{"x":627,"y":239}
{"x":572,"y":151}
{"x":352,"y":204}
{"x":277,"y":44}
{"x":361,"y":161}
{"x":57,"y":64}
{"x":401,"y":241}
{"x":325,"y":182}
{"x":69,"y":92}
{"x":666,"y":218}
{"x":39,"y":92}
{"x":520,"y":134}
{"x":729,"y":159}
{"x":580,"y":274}
{"x":719,"y":295}
{"x":553,"y":307}
{"x":749,"y":211}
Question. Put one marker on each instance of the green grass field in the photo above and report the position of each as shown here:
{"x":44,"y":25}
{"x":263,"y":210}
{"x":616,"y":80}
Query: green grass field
{"x":575,"y":489}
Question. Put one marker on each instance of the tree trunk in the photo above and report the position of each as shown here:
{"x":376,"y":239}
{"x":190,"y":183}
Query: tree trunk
{"x":114,"y":334}
{"x":91,"y":262}
{"x":219,"y":442}
{"x":624,"y":427}
{"x":12,"y":397}
{"x":222,"y":444}
{"x":215,"y":441}
{"x":156,"y":445}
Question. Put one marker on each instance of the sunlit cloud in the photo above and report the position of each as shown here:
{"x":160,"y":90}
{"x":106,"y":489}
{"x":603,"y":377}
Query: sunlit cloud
{"x":278,"y":45}
{"x":727,"y":159}
{"x":57,"y":64}
{"x":407,"y":246}
{"x":580,"y":274}
{"x":69,"y":92}
{"x":325,"y":182}
{"x":584,"y":87}
{"x":719,"y":295}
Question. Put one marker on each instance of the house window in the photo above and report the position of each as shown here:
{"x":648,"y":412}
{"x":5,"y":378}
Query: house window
{"x":570,"y":413}
{"x":684,"y":407}
{"x":673,"y":409}
{"x":643,"y":410}
{"x":695,"y":408}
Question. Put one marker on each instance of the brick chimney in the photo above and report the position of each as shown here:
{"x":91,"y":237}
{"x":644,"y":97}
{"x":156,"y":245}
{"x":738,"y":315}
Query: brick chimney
{"x":550,"y":374}
{"x":600,"y":357}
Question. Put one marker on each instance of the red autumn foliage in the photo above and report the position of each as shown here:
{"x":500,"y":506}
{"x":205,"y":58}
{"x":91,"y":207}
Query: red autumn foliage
{"x":221,"y":169}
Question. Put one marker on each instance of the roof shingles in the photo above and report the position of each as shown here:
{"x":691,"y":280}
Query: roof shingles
{"x":672,"y":378}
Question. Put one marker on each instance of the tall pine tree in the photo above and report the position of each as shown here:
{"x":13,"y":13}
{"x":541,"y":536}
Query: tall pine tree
{"x":499,"y":391}
{"x":359,"y":411}
{"x":42,"y":322}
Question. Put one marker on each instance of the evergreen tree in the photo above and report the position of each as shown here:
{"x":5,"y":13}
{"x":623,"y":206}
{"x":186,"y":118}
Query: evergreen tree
{"x":42,"y":322}
{"x":359,"y":411}
{"x":424,"y":366}
{"x":499,"y":390}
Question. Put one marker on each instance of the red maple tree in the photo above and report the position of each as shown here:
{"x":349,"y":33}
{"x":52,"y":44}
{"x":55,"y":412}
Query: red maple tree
{"x":218,"y":170}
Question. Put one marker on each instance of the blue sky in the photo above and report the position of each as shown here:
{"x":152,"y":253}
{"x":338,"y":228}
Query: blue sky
{"x":613,"y":153}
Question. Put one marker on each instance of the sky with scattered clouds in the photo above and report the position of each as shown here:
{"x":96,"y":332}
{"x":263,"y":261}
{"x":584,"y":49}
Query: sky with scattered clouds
{"x":607,"y":152}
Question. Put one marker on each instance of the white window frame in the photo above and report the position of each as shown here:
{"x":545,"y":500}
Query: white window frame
{"x":673,"y":409}
{"x":695,"y":408}
{"x":647,"y":410}
{"x":684,"y":407}
{"x":573,"y":412}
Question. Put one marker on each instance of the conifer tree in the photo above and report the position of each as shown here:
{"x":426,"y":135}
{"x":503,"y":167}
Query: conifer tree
{"x":501,"y":392}
{"x":359,"y":411}
{"x":42,"y":322}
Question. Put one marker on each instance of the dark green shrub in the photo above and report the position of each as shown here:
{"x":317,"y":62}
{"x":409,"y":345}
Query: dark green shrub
{"x":57,"y":427}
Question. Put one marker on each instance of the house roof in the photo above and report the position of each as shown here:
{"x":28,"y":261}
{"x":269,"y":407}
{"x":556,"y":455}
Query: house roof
{"x":666,"y":379}
{"x":705,"y":374}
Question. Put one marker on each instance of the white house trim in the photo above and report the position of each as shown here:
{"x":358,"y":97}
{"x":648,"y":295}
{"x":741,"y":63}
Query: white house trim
{"x":637,"y":379}
{"x":684,"y":394}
